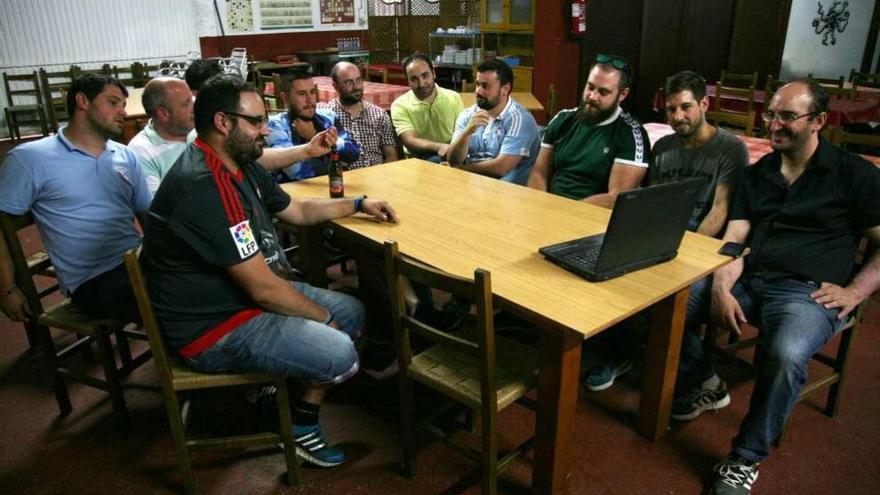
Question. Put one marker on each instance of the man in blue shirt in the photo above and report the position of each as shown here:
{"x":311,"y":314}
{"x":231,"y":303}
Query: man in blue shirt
{"x":84,"y":191}
{"x":301,"y":123}
{"x":497,"y":137}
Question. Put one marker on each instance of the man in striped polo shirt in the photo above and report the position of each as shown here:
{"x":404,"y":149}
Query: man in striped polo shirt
{"x":218,"y":275}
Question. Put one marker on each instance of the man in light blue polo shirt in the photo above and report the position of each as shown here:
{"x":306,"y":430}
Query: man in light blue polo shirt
{"x":84,"y":192}
{"x":497,"y":137}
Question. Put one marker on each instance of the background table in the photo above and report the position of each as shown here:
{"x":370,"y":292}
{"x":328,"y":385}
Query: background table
{"x":524,"y":98}
{"x":459,"y":221}
{"x":379,"y":94}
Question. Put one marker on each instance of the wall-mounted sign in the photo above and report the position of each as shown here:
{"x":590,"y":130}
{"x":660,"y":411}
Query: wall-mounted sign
{"x":828,"y":24}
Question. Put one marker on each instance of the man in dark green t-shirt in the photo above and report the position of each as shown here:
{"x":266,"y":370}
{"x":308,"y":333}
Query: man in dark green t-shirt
{"x":594,"y":152}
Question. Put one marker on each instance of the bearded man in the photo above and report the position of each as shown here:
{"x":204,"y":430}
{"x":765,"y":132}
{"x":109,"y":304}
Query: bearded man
{"x":594,"y":152}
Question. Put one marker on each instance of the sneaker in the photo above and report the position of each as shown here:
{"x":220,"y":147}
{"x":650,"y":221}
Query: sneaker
{"x":735,"y":476}
{"x":261,"y":394}
{"x":710,"y":396}
{"x":602,"y":377}
{"x":312,"y":446}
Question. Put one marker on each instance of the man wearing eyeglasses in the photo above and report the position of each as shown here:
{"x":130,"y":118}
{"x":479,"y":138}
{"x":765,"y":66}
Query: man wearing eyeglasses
{"x":698,"y":149}
{"x":369,"y":124}
{"x":594,"y":152}
{"x":217,"y":273}
{"x":302,"y":122}
{"x":802,"y":211}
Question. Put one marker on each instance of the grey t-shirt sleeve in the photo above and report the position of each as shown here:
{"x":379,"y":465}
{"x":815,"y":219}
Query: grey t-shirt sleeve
{"x":734,"y":159}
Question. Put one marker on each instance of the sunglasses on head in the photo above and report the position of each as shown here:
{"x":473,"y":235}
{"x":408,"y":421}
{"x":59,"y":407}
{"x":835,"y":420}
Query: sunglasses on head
{"x":616,"y":62}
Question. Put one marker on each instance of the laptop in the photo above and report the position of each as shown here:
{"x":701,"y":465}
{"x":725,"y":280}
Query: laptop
{"x":645,"y":229}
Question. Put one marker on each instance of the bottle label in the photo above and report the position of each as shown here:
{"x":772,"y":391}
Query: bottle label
{"x":337,"y":188}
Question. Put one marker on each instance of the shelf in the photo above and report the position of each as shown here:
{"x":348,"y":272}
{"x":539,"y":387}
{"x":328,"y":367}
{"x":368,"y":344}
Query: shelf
{"x":453,"y":35}
{"x":354,"y":54}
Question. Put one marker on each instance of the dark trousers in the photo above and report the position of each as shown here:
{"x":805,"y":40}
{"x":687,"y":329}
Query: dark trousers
{"x":108,"y":295}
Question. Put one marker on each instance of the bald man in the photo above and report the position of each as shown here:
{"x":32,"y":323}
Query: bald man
{"x":368,"y":124}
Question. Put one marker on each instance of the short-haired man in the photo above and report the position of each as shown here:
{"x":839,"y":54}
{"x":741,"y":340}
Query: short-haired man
{"x":301,"y":123}
{"x":168,"y":103}
{"x":802,"y":211}
{"x":214,"y":266}
{"x":698,"y":149}
{"x":424,"y":117}
{"x":200,"y":71}
{"x":594,"y":152}
{"x":84,"y":191}
{"x":497,"y":136}
{"x":369,"y":124}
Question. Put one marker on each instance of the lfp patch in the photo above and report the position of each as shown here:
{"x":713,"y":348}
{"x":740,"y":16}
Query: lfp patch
{"x":244,"y":239}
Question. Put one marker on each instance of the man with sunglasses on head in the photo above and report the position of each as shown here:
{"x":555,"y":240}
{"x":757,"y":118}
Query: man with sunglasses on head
{"x":594,"y":152}
{"x":218,"y":275}
{"x":698,"y":149}
{"x":368,"y":124}
{"x":302,"y":122}
{"x":497,"y":136}
{"x":591,"y":154}
{"x":802,"y":211}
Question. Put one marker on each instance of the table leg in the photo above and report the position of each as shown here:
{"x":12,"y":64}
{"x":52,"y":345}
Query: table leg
{"x":661,"y":365}
{"x":312,"y":254}
{"x":560,"y":354}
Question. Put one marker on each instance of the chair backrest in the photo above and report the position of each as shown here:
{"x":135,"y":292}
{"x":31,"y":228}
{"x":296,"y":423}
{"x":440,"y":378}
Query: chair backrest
{"x":24,"y":87}
{"x":720,"y":114}
{"x":273,"y":101}
{"x":738,"y":80}
{"x":844,"y":138}
{"x":10,"y":225}
{"x":841,"y":93}
{"x":148,"y":319}
{"x":54,"y":86}
{"x":771,"y":87}
{"x":478,"y":290}
{"x":377,"y":74}
{"x":828,"y":81}
{"x":552,"y":97}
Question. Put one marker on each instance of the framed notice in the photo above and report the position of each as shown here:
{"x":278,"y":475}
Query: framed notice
{"x":337,"y":12}
{"x":285,"y":14}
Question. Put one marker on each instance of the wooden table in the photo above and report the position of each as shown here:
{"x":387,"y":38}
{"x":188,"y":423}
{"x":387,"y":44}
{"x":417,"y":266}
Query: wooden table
{"x":524,"y":98}
{"x":459,"y":221}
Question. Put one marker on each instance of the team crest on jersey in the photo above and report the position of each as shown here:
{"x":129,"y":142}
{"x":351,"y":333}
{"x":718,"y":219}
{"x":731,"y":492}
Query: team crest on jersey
{"x":244,"y":239}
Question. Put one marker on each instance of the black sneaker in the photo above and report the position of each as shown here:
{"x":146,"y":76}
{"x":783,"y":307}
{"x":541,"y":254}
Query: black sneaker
{"x":734,"y":476}
{"x":698,"y":400}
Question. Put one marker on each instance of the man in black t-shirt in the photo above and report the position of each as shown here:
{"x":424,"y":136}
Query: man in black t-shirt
{"x":217,"y":273}
{"x":801,"y":210}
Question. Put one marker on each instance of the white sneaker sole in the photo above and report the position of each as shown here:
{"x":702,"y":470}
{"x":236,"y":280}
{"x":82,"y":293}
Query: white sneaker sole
{"x":714,"y":406}
{"x":617,"y":373}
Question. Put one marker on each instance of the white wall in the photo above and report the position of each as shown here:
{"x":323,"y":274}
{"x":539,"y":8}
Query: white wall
{"x":804,"y":52}
{"x":90,"y":33}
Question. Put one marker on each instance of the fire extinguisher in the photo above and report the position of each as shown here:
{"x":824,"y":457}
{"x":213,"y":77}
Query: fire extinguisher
{"x":577,"y":12}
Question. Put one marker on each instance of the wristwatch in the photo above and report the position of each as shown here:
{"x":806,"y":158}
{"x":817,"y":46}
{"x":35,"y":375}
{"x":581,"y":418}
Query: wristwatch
{"x":359,"y":203}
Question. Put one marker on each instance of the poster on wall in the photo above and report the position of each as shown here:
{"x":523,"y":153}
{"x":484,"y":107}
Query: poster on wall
{"x":285,"y":14}
{"x":337,"y":11}
{"x":239,"y":16}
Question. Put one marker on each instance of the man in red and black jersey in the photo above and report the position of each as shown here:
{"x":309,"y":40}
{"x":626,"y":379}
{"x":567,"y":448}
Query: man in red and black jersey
{"x":217,"y":272}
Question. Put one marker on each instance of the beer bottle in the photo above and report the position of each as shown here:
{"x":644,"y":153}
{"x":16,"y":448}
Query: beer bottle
{"x":334,"y":172}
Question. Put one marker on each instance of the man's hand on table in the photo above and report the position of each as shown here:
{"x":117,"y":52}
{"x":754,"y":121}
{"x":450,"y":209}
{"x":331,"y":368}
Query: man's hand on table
{"x":379,"y":209}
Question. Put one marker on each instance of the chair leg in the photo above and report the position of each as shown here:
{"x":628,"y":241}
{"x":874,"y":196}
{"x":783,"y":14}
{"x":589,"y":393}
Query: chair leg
{"x":832,"y":406}
{"x":489,"y":455}
{"x":407,"y":433}
{"x":111,"y":376}
{"x":285,"y":418}
{"x":178,"y":434}
{"x":51,"y":359}
{"x":124,"y":349}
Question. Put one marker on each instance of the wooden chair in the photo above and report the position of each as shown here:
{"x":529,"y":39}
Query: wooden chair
{"x":738,"y":80}
{"x":76,"y":71}
{"x":828,"y":81}
{"x":837,"y":363}
{"x":175,"y":377}
{"x":718,"y":114}
{"x":835,"y":93}
{"x":54,"y":86}
{"x":375,"y":74}
{"x":480,"y":371}
{"x":770,"y":87}
{"x":552,"y":97}
{"x":68,"y":317}
{"x":273,"y":102}
{"x":856,"y":142}
{"x":468,"y":86}
{"x":24,"y":103}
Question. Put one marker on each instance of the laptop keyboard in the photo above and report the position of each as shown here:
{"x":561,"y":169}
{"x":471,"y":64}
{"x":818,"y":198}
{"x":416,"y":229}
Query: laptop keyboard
{"x":584,"y":258}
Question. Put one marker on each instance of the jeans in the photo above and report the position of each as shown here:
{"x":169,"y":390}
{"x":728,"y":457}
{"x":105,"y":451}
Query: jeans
{"x":292,"y":346}
{"x":793,"y":327}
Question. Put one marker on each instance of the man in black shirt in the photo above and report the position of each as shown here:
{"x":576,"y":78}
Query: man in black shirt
{"x":801,"y":210}
{"x":217,"y":273}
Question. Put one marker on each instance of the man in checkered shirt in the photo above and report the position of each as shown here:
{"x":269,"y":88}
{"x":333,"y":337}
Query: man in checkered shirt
{"x":367,"y":123}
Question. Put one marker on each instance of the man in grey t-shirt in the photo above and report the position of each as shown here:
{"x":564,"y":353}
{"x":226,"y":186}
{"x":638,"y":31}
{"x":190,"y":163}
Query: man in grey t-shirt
{"x":698,"y":149}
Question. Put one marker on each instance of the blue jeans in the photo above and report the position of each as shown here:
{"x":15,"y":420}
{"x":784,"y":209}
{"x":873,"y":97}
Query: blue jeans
{"x":793,"y":328}
{"x":292,"y":346}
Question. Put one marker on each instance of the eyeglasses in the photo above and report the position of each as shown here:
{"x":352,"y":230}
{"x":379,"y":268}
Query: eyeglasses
{"x":254,"y":120}
{"x":616,"y":62}
{"x":352,"y":82}
{"x":783,"y":117}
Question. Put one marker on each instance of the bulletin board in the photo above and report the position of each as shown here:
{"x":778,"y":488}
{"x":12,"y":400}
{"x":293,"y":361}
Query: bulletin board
{"x":241,"y":17}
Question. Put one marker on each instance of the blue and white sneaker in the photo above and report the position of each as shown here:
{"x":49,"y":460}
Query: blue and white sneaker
{"x":313,"y":447}
{"x":602,"y":377}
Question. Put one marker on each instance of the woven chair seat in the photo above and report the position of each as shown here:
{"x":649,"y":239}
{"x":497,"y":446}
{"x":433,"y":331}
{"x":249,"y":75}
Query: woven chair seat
{"x":69,"y":316}
{"x":457,"y":374}
{"x":186,"y":378}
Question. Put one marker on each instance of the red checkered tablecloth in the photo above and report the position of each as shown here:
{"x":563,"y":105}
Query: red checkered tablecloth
{"x":379,"y":94}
